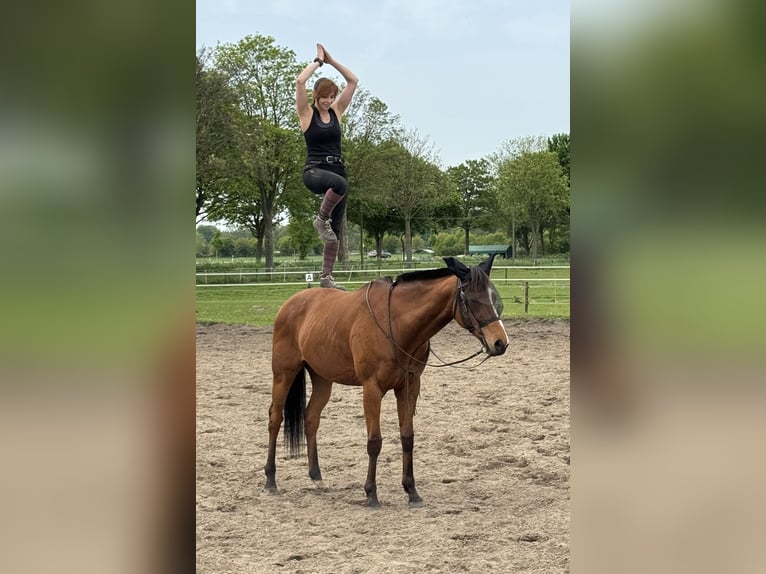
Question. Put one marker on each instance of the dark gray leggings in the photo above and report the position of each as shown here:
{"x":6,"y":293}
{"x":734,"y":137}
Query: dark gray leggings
{"x":319,"y":181}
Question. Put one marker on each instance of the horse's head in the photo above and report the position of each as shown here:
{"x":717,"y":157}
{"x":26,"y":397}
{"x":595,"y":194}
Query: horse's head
{"x":478,"y":305}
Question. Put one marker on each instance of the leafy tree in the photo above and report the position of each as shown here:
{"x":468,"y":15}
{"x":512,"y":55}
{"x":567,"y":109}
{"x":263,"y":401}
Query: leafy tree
{"x":203,"y":246}
{"x":517,"y":147}
{"x":244,"y":247}
{"x":496,"y":238}
{"x":301,"y":236}
{"x":532,"y":187}
{"x":478,"y":204}
{"x":559,"y":222}
{"x":268,"y":143}
{"x":223,"y":245}
{"x":447,"y":244}
{"x":370,"y":130}
{"x":215,"y":104}
{"x":414,"y":182}
{"x":559,"y":144}
{"x":377,"y":221}
{"x":207,"y":231}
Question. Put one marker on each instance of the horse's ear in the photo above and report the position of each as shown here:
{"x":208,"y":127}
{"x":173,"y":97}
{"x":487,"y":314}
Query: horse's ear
{"x":486,"y":265}
{"x":457,"y":267}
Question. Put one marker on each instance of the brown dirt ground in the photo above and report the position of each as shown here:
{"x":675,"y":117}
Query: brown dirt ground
{"x":491,"y":463}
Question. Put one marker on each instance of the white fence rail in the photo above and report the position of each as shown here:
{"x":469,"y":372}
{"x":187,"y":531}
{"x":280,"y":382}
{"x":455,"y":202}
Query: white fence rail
{"x":297,"y":276}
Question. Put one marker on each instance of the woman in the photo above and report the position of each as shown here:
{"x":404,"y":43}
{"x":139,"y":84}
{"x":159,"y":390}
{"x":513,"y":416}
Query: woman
{"x":324,"y":172}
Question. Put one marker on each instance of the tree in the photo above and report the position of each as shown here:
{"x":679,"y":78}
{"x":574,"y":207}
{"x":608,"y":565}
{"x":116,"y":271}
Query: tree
{"x":516,"y":147}
{"x":223,"y":245}
{"x":447,"y":244}
{"x":369,"y":131}
{"x":207,"y":231}
{"x":268,"y":144}
{"x":301,"y":236}
{"x":531,"y":187}
{"x":203,"y":246}
{"x":414,"y":182}
{"x":559,"y":144}
{"x":478,"y":204}
{"x":244,"y":247}
{"x":215,"y":136}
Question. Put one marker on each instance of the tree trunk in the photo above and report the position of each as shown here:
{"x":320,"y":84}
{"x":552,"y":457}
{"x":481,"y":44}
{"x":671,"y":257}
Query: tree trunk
{"x":408,"y":240}
{"x":525,"y":241}
{"x":344,"y":247}
{"x":268,"y":236}
{"x":552,"y":239}
{"x":535,"y":237}
{"x":513,"y":235}
{"x":258,"y":245}
{"x":467,"y":240}
{"x":378,"y":246}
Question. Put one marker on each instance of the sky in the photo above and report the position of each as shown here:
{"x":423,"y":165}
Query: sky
{"x":465,"y":75}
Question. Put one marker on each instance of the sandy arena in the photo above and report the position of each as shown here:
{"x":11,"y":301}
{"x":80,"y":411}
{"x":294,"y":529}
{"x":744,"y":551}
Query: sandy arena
{"x":491,"y":463}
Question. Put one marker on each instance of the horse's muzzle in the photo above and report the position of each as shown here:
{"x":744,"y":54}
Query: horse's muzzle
{"x":494,"y":346}
{"x":498,"y":348}
{"x":494,"y":339}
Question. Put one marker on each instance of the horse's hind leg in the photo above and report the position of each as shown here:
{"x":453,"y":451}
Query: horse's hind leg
{"x":320,"y":394}
{"x":406,"y":399}
{"x":279,"y":391}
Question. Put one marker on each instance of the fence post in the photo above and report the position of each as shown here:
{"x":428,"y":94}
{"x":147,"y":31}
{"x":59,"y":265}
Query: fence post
{"x":526,"y":296}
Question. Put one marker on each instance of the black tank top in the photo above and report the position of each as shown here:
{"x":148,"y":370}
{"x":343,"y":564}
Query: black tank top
{"x":322,"y":139}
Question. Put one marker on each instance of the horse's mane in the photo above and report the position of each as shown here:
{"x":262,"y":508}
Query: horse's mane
{"x":423,"y":275}
{"x":476,"y":278}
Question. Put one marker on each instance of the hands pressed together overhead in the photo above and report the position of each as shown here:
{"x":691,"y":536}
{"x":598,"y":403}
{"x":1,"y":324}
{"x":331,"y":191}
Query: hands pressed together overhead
{"x":323,"y":54}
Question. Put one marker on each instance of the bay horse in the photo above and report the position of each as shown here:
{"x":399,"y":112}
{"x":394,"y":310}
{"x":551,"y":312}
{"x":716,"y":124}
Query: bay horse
{"x":376,"y":337}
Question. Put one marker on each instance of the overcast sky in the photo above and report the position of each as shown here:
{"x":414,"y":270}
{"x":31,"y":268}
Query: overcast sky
{"x":466,"y":74}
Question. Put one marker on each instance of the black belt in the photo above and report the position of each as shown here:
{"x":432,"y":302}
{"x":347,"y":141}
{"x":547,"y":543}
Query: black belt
{"x":327,"y":159}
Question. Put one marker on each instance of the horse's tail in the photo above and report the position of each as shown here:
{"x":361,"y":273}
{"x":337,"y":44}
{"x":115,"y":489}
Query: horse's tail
{"x":295,"y":405}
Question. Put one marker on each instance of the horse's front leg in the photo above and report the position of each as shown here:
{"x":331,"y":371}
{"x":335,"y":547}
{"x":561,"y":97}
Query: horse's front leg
{"x":372,"y":400}
{"x":406,"y":399}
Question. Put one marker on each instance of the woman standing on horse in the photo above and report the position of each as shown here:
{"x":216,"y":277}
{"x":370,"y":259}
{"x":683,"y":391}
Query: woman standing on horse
{"x":324,"y":172}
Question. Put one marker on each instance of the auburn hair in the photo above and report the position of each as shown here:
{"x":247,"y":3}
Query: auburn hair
{"x":324,"y":88}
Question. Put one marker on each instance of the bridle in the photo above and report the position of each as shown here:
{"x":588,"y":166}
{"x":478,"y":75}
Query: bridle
{"x":459,"y":302}
{"x":474,"y":326}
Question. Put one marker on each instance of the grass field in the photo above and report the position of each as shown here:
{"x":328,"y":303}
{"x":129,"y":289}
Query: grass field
{"x":258,"y":304}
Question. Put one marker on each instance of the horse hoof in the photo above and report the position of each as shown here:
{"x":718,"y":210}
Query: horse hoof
{"x":320,"y":485}
{"x":373,"y":504}
{"x":416,"y":504}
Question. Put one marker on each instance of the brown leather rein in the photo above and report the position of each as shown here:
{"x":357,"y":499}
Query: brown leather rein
{"x":458,"y":303}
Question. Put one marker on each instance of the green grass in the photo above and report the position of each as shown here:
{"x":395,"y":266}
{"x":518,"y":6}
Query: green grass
{"x":258,"y":304}
{"x":249,"y":305}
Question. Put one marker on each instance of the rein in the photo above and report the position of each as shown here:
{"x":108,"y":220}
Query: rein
{"x":390,"y":336}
